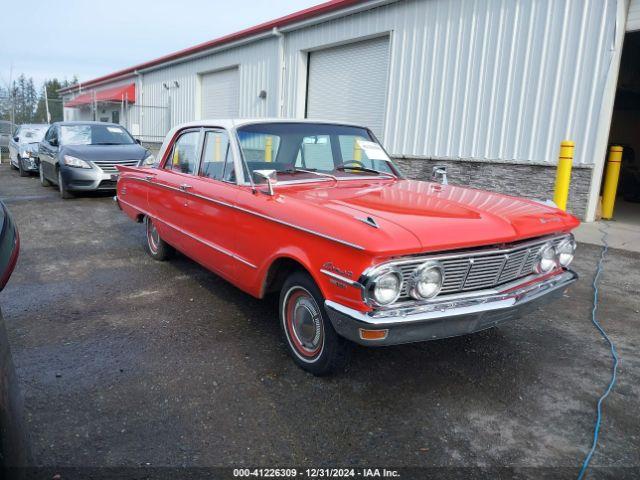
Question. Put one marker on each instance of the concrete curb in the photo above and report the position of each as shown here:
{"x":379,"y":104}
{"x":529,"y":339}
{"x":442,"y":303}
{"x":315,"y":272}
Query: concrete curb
{"x":15,"y":448}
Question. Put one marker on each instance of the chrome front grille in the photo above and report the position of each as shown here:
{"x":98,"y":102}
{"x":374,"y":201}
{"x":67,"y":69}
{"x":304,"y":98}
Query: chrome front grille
{"x":109,"y":166}
{"x":470,"y":271}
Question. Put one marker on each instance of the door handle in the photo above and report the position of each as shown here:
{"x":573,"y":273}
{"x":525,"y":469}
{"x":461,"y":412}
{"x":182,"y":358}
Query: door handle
{"x":184,"y":187}
{"x":149,"y":177}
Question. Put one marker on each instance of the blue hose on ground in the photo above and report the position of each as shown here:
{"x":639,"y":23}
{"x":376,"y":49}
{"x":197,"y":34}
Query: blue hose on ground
{"x":614,"y":353}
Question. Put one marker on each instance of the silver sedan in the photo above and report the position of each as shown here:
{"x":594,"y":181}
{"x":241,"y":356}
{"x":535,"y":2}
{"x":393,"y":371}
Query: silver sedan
{"x":23,"y":147}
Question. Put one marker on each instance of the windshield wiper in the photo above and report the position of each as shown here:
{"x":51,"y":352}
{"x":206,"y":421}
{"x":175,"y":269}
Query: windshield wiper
{"x":310,"y":170}
{"x":344,"y":167}
{"x":108,"y":143}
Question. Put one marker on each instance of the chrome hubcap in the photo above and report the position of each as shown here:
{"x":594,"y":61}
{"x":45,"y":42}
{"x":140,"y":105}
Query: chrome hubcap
{"x":304,"y":323}
{"x":153,"y":236}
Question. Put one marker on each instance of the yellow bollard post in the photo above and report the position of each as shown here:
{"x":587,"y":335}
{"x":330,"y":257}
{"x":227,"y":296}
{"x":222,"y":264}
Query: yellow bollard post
{"x":268,"y":148}
{"x":357,"y":151}
{"x":563,"y":174}
{"x":611,"y":177}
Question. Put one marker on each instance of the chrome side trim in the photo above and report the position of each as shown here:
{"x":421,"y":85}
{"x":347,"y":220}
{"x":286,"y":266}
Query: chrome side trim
{"x":340,"y":278}
{"x":209,"y":244}
{"x":120,"y":200}
{"x":256,"y":214}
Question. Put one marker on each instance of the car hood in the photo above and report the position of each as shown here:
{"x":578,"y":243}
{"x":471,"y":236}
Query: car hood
{"x":30,"y":146}
{"x":440,"y":217}
{"x":106,"y":152}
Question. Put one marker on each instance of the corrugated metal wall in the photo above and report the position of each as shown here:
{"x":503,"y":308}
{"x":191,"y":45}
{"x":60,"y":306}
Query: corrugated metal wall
{"x":494,"y":80}
{"x":486,"y":80}
{"x":258,"y":68}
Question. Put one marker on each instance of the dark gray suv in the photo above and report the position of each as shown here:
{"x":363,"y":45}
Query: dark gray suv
{"x":82,"y":156}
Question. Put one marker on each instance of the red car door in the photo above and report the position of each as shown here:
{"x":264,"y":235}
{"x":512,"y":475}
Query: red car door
{"x":168,"y":197}
{"x":211,"y":217}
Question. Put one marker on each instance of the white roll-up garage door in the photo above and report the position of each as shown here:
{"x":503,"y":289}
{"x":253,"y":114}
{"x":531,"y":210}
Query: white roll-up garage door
{"x":220,"y":94}
{"x":349,"y":83}
{"x":633,"y":18}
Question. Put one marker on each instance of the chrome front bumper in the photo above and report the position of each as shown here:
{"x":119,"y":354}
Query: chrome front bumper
{"x":450,"y":317}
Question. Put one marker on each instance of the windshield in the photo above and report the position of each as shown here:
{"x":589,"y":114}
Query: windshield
{"x":94,"y":135}
{"x":288,"y":148}
{"x":32,"y":134}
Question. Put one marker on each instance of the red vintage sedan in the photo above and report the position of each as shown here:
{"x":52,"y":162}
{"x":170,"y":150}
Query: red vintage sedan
{"x":318,"y":213}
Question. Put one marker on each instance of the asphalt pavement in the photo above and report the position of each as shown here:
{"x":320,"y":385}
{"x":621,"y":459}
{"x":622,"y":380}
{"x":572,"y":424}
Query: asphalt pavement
{"x":124,"y":361}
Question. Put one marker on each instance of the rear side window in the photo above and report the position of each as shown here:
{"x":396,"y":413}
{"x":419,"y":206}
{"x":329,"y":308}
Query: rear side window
{"x":184,"y":155}
{"x":216,"y":156}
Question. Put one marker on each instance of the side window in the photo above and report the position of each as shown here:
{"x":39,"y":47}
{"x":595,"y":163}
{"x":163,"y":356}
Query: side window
{"x":217,"y":160}
{"x":53,"y":135}
{"x":184,"y":155}
{"x":315,"y":152}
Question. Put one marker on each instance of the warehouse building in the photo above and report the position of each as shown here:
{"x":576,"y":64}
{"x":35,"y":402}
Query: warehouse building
{"x":487,"y":87}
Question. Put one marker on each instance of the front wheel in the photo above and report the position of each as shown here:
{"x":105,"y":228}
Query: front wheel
{"x":43,"y":181}
{"x":23,"y":172}
{"x":311,"y":340}
{"x":156,"y":247}
{"x":64,"y":193}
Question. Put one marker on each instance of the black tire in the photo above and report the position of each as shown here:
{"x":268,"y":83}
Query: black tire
{"x":157,"y":248}
{"x":43,"y":181}
{"x":312,"y":342}
{"x":23,"y":172}
{"x":64,"y":193}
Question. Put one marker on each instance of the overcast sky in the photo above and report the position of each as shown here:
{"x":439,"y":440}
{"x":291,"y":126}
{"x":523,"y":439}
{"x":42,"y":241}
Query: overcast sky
{"x":62,"y":38}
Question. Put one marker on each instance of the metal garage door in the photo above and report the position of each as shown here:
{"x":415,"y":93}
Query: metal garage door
{"x":220,"y":94}
{"x":633,"y":18}
{"x":349,"y":83}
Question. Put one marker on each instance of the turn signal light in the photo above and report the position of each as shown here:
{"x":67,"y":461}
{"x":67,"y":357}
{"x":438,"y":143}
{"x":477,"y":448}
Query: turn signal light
{"x":373,"y":334}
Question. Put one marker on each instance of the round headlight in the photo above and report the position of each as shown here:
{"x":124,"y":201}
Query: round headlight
{"x":565,"y":251}
{"x":386,"y":286}
{"x":427,"y":281}
{"x":547,"y":259}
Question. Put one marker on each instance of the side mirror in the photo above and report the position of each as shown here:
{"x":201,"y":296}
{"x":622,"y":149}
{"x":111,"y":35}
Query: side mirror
{"x":16,"y":139}
{"x":138,"y":141}
{"x":53,"y":142}
{"x":439,"y":173}
{"x":271,"y":176}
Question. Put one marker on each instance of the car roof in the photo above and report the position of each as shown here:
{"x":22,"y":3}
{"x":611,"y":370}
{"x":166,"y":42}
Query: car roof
{"x":32,"y":125}
{"x":87,"y":122}
{"x":239,"y":122}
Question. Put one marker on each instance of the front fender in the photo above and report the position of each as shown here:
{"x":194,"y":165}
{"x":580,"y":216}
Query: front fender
{"x":314,"y":261}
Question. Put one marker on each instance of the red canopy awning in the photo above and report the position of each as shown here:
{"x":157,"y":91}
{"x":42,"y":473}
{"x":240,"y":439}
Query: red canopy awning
{"x":115,"y":94}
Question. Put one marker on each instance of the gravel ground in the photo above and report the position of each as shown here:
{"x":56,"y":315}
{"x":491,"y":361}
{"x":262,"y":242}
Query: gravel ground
{"x":124,"y":361}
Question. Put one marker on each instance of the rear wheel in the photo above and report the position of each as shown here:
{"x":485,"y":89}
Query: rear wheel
{"x":43,"y":181}
{"x":156,"y":247}
{"x":311,"y":340}
{"x":64,"y":193}
{"x":23,"y":172}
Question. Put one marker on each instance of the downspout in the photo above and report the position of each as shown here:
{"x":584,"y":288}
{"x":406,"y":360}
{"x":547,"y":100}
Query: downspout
{"x":140,"y":95}
{"x":281,"y":68}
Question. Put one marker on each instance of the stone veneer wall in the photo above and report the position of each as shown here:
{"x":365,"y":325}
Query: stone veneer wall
{"x":530,"y":181}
